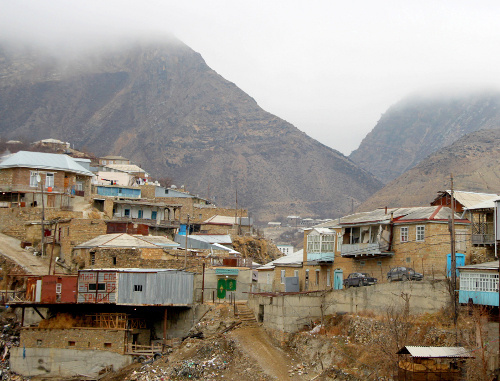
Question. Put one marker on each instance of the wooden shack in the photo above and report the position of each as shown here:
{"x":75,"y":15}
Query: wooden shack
{"x":432,"y":363}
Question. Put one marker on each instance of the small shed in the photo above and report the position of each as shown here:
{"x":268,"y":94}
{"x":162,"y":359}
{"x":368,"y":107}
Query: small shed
{"x":153,"y":287}
{"x":432,"y":363}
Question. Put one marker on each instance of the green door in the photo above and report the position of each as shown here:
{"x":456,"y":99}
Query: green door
{"x":231,"y":284}
{"x":221,"y":288}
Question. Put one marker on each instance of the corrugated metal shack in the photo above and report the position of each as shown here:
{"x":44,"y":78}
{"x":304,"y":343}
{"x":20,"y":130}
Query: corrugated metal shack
{"x":143,"y":287}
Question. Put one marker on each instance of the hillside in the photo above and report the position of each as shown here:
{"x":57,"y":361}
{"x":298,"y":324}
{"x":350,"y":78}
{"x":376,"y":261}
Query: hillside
{"x":474,"y":161}
{"x":160,"y":105}
{"x":416,"y":127}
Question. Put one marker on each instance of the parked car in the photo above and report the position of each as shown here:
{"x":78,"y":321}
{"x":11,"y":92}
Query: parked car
{"x":403,"y":273}
{"x":359,"y":279}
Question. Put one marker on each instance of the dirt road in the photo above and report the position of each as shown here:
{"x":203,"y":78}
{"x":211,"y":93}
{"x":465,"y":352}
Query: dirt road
{"x":11,"y":248}
{"x":273,"y":361}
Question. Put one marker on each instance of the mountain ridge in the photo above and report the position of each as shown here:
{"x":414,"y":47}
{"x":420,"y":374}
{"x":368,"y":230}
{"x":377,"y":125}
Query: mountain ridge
{"x":164,"y":108}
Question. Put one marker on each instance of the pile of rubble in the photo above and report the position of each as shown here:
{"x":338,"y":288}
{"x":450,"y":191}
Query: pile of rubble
{"x":9,"y":337}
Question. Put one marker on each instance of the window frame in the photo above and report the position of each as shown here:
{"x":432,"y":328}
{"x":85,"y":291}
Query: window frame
{"x":420,"y":233}
{"x":33,"y":179}
{"x":49,"y":175}
{"x":282,"y":276}
{"x":404,"y":234}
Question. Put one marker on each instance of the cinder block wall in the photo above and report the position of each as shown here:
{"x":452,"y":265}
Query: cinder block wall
{"x":74,"y":338}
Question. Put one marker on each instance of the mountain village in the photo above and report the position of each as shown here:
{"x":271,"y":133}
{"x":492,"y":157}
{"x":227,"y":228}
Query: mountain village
{"x":105,"y":269}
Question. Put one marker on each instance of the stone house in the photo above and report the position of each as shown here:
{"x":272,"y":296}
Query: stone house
{"x":271,"y":276}
{"x":125,"y":251}
{"x":36,"y":179}
{"x":479,"y":209}
{"x":374,"y":242}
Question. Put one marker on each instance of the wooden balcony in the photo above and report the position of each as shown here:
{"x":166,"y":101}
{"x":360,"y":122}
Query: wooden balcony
{"x":150,"y":222}
{"x":483,"y":239}
{"x":365,"y":250}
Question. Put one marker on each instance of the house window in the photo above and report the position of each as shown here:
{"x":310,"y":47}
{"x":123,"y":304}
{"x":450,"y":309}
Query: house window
{"x":479,"y":282}
{"x":49,"y":180}
{"x":33,"y":179}
{"x":39,"y":343}
{"x":139,"y":213}
{"x":268,"y":278}
{"x":379,"y":263}
{"x":92,"y":259}
{"x":296,"y":273}
{"x":114,"y":260}
{"x":107,"y":345}
{"x":328,"y":280}
{"x":71,"y":343}
{"x":317,"y":277}
{"x":127,"y":212}
{"x":154,"y":214}
{"x":408,"y":260}
{"x":104,"y":162}
{"x":58,"y":288}
{"x":361,"y":263}
{"x":282,"y":276}
{"x":404,"y":233}
{"x":320,"y":243}
{"x":138,"y":287}
{"x":339,"y":242}
{"x":420,"y":233}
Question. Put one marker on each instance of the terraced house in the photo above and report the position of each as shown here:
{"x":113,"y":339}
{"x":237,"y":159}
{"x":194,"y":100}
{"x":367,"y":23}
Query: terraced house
{"x":374,"y":242}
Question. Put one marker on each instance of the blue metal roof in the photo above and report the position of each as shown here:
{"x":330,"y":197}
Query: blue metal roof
{"x":46,"y":161}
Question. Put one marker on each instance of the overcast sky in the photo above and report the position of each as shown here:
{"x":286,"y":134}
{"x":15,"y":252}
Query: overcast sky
{"x":329,"y":67}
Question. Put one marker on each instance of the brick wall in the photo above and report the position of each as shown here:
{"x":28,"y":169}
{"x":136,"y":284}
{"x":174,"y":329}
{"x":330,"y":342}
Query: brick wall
{"x":77,"y":231}
{"x":74,"y":338}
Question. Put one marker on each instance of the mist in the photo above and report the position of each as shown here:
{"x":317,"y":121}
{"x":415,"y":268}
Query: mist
{"x":330,"y":68}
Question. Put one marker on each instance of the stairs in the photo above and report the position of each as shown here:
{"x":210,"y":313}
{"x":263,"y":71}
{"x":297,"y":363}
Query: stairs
{"x":246,"y":316}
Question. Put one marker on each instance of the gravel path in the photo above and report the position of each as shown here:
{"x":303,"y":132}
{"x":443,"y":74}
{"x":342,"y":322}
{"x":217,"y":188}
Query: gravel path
{"x":11,"y":248}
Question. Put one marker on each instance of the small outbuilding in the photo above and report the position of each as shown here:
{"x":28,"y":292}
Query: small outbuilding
{"x":432,"y":363}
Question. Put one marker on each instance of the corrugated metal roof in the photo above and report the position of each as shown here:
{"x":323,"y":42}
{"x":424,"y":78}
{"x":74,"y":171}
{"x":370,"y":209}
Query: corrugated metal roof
{"x":380,"y":216}
{"x":293,"y":259}
{"x":121,"y":240}
{"x":481,"y":266}
{"x":158,"y":240}
{"x":46,"y":161}
{"x":488,"y":204}
{"x":470,"y":199}
{"x":129,"y":168}
{"x":435,"y":352}
{"x":213,"y":238}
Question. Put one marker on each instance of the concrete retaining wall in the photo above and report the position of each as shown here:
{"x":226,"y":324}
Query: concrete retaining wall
{"x":52,"y":362}
{"x":290,"y":313}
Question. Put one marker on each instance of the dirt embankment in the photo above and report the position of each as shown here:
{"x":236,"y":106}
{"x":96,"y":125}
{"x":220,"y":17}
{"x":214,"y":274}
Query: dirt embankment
{"x":259,"y":249}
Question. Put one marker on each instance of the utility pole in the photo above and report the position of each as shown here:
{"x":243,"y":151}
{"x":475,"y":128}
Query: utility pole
{"x":453,"y":255}
{"x":39,"y":179}
{"x":186,"y":251}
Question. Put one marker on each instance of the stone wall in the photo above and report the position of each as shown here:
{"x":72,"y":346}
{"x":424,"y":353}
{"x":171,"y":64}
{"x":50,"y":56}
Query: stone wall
{"x":289,"y":313}
{"x":61,"y":363}
{"x":74,"y":338}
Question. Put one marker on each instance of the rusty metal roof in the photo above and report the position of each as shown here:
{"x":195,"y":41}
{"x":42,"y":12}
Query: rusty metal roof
{"x":468,"y":199}
{"x":435,"y":352}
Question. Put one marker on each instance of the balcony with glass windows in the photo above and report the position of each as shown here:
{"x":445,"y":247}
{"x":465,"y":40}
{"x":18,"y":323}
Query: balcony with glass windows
{"x":320,"y":249}
{"x":355,"y":250}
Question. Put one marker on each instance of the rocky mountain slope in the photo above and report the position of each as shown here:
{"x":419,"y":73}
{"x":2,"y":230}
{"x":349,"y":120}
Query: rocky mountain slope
{"x":474,"y":161}
{"x":419,"y":126}
{"x":160,"y":105}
